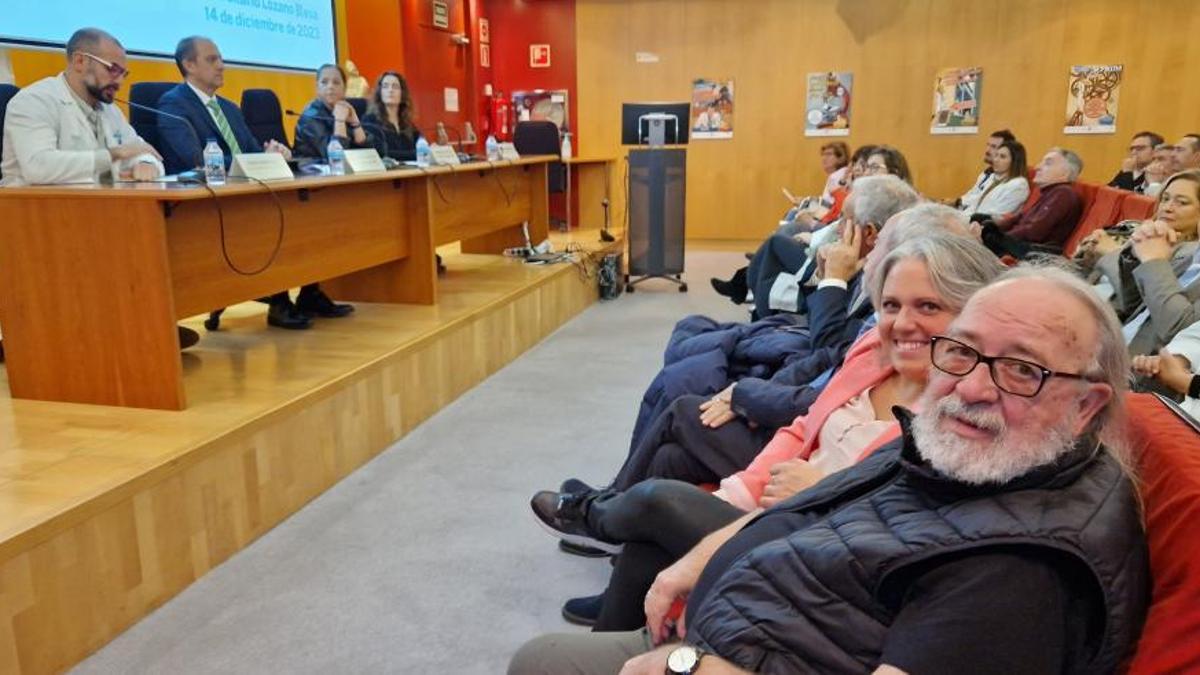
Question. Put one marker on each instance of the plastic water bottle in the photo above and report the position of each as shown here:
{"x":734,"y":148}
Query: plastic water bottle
{"x":423,"y":152}
{"x":566,"y":145}
{"x":214,"y":163}
{"x":493,"y":148}
{"x":337,"y":158}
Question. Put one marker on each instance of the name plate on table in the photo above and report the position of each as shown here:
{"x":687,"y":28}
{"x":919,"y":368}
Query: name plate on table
{"x":364,"y":160}
{"x":260,"y":165}
{"x":443,"y":155}
{"x":508,"y":151}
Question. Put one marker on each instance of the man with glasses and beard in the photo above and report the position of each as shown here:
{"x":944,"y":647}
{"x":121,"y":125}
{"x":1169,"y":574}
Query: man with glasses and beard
{"x":65,"y":128}
{"x":1000,"y":535}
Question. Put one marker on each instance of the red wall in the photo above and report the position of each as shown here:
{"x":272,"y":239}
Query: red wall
{"x":433,"y":62}
{"x":374,"y":32}
{"x":516,"y":24}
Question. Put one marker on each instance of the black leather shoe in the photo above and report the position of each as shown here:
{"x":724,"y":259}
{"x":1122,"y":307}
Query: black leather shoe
{"x":316,"y":303}
{"x":583,"y":611}
{"x":187,"y":337}
{"x":562,"y":515}
{"x":285,"y":315}
{"x":735,"y":289}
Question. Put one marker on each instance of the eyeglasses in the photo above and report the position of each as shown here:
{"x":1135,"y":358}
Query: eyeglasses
{"x":875,"y":168}
{"x":114,"y":69}
{"x":1015,"y":376}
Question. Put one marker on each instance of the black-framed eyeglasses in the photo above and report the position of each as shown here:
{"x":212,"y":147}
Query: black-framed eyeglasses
{"x":1015,"y":376}
{"x":114,"y":69}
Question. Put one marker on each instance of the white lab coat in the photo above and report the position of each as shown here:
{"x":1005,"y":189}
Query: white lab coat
{"x":48,"y":139}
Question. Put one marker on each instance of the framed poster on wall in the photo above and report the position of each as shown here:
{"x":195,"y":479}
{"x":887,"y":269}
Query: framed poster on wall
{"x":541,"y":104}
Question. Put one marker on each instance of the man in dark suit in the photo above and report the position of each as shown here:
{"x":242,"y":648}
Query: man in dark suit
{"x":213,"y":117}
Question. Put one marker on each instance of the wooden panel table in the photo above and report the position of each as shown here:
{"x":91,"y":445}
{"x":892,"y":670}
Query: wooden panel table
{"x":93,"y":278}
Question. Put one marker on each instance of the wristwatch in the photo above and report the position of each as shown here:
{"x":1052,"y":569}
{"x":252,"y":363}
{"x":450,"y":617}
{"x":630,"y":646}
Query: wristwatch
{"x":684,"y":660}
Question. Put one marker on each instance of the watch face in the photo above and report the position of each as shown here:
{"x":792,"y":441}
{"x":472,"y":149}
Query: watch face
{"x":682,"y":659}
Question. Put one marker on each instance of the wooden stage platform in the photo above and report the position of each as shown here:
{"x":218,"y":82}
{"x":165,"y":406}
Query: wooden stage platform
{"x":107,"y":512}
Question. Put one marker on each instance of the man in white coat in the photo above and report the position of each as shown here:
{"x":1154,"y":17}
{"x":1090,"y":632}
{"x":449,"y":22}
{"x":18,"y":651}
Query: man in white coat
{"x":65,"y":128}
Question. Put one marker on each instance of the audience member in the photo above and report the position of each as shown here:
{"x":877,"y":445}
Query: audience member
{"x":835,"y":162}
{"x":1132,"y":175}
{"x":389,"y":118}
{"x":1161,"y":167}
{"x":970,"y":199}
{"x":885,"y":160}
{"x":209,"y":116}
{"x":329,"y":116}
{"x":1045,"y":225}
{"x":1175,"y":367}
{"x":1007,"y":187}
{"x":919,"y":288}
{"x":1187,"y":153}
{"x":65,"y":128}
{"x":998,"y":521}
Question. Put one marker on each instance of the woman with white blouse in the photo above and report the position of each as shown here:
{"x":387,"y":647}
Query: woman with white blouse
{"x":1007,"y":188}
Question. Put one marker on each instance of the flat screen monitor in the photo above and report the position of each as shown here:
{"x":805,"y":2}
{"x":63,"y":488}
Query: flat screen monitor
{"x":631,"y":113}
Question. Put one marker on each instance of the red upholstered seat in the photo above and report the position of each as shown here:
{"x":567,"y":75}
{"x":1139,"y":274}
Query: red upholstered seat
{"x":1167,"y":451}
{"x":1137,"y":207}
{"x":1102,"y":211}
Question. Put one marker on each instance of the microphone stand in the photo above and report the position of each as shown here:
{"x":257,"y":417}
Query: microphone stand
{"x":192,"y":176}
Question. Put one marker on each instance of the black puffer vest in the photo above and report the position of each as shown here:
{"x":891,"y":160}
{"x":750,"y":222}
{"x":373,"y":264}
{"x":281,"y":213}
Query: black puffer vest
{"x":811,"y":602}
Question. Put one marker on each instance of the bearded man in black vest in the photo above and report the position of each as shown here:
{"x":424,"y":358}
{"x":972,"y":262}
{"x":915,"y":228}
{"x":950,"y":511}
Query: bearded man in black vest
{"x":1001,"y":534}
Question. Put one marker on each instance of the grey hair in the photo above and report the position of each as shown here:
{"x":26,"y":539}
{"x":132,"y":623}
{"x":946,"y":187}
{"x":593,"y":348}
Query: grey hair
{"x":1110,"y":362}
{"x":87,"y":39}
{"x":875,"y":199}
{"x":923,"y":219}
{"x":957,"y":266}
{"x":1074,"y":163}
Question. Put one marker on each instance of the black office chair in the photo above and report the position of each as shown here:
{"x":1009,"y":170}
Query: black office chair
{"x":264,"y":115}
{"x":360,"y":105}
{"x":7,"y":91}
{"x":144,"y":122}
{"x":541,"y":138}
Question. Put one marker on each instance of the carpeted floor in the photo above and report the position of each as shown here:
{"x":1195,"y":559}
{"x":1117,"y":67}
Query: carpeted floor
{"x":427,"y":559}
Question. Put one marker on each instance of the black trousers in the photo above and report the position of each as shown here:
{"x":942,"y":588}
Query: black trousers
{"x":779,"y":253}
{"x":677,"y":445}
{"x":659,"y":521}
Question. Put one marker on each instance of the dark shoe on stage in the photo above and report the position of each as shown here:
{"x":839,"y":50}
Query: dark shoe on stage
{"x":187,"y":337}
{"x":1,"y":351}
{"x":562,"y":515}
{"x":286,"y":315}
{"x":316,"y":303}
{"x":441,"y":267}
{"x":735,"y":289}
{"x":583,"y":611}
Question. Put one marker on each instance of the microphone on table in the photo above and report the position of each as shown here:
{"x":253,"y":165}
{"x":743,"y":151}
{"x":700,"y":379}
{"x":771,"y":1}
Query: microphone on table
{"x":388,"y":161}
{"x":193,"y":176}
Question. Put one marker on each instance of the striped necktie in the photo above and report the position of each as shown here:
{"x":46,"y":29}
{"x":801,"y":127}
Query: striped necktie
{"x":223,"y":126}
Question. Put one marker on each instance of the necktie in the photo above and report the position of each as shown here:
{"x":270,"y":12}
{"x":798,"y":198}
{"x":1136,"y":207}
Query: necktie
{"x":1189,"y":277}
{"x":223,"y":126}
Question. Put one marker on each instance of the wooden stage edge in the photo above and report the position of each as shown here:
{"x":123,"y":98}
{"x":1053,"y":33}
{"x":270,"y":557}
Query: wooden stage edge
{"x":106,"y":513}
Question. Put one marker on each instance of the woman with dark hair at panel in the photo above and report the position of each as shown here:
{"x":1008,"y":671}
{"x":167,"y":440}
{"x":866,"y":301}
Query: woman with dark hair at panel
{"x":389,"y":118}
{"x":918,"y":288}
{"x":329,"y":116}
{"x":1007,"y":188}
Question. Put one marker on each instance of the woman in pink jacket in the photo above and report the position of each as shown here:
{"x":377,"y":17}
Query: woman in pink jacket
{"x":918,"y":289}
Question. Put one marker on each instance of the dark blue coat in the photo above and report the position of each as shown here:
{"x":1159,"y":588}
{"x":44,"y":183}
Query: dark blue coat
{"x":179,"y":149}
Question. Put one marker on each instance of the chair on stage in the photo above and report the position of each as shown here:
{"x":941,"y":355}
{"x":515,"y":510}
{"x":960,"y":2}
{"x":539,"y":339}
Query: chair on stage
{"x":7,"y":91}
{"x":542,"y":138}
{"x":264,"y":115}
{"x":144,"y":122}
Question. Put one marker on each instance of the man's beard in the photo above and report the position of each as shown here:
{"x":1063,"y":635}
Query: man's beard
{"x":102,"y":94}
{"x":1008,"y":455}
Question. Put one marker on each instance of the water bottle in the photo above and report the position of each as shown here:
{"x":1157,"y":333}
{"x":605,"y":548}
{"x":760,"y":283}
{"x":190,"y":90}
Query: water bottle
{"x":337,"y":158}
{"x":493,"y":148}
{"x":566,"y":146}
{"x":214,"y":163}
{"x":423,"y":152}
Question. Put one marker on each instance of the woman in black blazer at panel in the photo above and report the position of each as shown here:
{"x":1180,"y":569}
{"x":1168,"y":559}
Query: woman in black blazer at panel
{"x":328,"y":116}
{"x":389,"y":118}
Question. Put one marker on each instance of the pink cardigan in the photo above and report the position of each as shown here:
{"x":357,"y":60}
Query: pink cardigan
{"x":860,"y":371}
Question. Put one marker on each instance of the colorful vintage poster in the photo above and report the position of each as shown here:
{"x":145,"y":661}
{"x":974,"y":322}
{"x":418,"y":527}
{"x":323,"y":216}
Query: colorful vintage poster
{"x":956,"y":93}
{"x":712,"y":108}
{"x":1092,"y":98}
{"x":827,"y":104}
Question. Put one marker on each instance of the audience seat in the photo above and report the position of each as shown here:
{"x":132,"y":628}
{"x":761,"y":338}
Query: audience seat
{"x":1167,"y":452}
{"x":1137,"y":207}
{"x":264,"y":115}
{"x":1101,"y":212}
{"x":7,"y":91}
{"x":144,"y":122}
